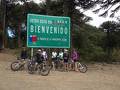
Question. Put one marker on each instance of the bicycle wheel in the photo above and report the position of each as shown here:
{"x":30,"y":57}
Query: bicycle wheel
{"x":44,"y":70}
{"x":61,"y":67}
{"x":15,"y":66}
{"x":50,"y":67}
{"x":31,"y":67}
{"x":82,"y":67}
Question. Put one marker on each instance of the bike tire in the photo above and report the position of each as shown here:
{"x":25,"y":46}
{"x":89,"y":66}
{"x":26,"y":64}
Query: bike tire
{"x":82,"y":69}
{"x":31,"y":69}
{"x":44,"y":70}
{"x":31,"y":66}
{"x":50,"y":67}
{"x":15,"y":66}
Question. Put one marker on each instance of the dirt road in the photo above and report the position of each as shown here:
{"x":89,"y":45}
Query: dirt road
{"x":98,"y":77}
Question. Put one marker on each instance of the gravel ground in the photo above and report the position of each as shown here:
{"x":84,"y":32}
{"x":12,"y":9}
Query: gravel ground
{"x":98,"y":77}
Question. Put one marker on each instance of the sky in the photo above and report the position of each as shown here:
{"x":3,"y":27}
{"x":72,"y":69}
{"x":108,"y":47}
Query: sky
{"x":97,"y":21}
{"x":38,"y":1}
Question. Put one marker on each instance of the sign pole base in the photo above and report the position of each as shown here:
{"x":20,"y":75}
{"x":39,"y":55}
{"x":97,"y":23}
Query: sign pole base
{"x":31,"y":53}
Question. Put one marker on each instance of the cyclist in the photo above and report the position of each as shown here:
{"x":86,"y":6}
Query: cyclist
{"x":60,"y":57}
{"x":75,"y":58}
{"x":44,"y":55}
{"x":65,"y":58}
{"x":23,"y":53}
{"x":54,"y":59}
{"x":38,"y":56}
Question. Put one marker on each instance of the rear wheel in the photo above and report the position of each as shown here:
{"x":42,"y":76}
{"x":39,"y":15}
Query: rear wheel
{"x":82,"y":68}
{"x":15,"y":66}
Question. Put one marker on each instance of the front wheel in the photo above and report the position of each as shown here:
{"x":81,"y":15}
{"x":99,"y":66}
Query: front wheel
{"x":44,"y":70}
{"x":15,"y":66}
{"x":82,"y":68}
{"x":31,"y":68}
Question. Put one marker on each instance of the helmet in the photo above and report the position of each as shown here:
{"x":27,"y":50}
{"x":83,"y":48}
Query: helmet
{"x":65,"y":50}
{"x":39,"y":50}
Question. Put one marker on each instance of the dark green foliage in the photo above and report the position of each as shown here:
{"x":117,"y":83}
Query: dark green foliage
{"x":88,"y":41}
{"x":91,"y":42}
{"x":111,"y":39}
{"x":112,"y":30}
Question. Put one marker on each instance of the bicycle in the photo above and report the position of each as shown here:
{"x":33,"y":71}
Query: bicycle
{"x":19,"y":64}
{"x":80,"y":66}
{"x":41,"y":67}
{"x":57,"y":65}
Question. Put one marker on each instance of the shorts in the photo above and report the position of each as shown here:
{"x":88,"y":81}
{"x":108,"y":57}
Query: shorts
{"x":70,"y":61}
{"x":24,"y":58}
{"x":75,"y":60}
{"x":54,"y":59}
{"x":61,"y":59}
{"x":65,"y":60}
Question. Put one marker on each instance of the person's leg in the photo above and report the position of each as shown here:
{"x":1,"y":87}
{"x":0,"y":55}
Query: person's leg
{"x":57,"y":64}
{"x":74,"y":66}
{"x":67,"y":66}
{"x":53,"y":63}
{"x":71,"y":64}
{"x":76,"y":69}
{"x":64,"y":66}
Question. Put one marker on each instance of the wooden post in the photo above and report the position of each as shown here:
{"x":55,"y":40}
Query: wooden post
{"x":3,"y":3}
{"x":19,"y":40}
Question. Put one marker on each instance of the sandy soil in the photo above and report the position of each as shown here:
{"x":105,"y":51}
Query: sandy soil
{"x":98,"y":77}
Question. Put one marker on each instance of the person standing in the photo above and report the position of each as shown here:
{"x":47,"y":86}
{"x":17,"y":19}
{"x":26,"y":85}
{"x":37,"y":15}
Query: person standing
{"x":54,"y":59}
{"x":44,"y":54}
{"x":60,"y":58}
{"x":24,"y":53}
{"x":60,"y":55}
{"x":75,"y":58}
{"x":66,"y":58}
{"x":38,"y":56}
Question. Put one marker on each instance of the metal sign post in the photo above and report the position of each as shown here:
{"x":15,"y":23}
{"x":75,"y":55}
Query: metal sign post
{"x":32,"y":52}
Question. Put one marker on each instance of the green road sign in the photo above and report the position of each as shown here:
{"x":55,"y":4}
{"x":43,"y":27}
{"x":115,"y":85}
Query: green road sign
{"x":48,"y":31}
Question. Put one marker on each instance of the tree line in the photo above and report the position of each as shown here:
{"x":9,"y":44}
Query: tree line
{"x":94,"y":44}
